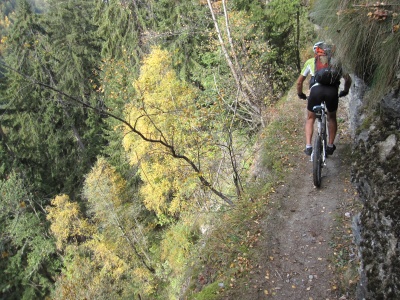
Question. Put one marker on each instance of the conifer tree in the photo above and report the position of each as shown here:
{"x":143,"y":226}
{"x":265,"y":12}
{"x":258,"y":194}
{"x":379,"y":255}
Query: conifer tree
{"x":121,"y":29}
{"x":121,"y":26}
{"x":183,"y":27}
{"x":54,"y":140}
{"x":28,"y":262}
{"x":20,"y":100}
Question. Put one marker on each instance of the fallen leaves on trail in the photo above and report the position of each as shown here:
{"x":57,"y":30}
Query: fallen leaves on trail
{"x":267,"y":275}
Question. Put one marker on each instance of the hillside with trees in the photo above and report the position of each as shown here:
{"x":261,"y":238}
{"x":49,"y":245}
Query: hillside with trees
{"x":128,"y":132}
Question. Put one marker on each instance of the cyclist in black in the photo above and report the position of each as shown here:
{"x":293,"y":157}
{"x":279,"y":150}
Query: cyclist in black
{"x":319,"y":93}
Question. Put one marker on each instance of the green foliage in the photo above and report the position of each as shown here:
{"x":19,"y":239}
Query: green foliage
{"x":116,"y":88}
{"x":176,"y":246}
{"x":75,"y":49}
{"x":43,"y":132}
{"x":28,"y":262}
{"x":6,"y":8}
{"x":267,"y":37}
{"x":183,"y":27}
{"x":20,"y":126}
{"x":121,"y":26}
{"x":209,"y":292}
{"x":175,"y":251}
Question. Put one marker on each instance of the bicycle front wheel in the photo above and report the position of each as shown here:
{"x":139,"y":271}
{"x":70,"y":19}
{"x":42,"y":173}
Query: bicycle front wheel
{"x":317,"y":161}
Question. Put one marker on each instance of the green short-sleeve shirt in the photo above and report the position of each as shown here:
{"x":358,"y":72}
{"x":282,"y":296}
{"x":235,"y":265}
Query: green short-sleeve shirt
{"x":309,"y":67}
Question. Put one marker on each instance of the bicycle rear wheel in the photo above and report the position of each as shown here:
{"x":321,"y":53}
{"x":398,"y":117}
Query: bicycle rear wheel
{"x":317,"y":161}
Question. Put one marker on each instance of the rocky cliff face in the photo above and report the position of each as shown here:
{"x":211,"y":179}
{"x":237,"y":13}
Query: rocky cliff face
{"x":376,"y":173}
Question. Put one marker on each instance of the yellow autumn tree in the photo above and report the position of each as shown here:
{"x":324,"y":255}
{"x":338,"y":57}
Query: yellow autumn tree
{"x":169,"y":137}
{"x":100,"y":269}
{"x":109,"y":205}
{"x":105,"y":190}
{"x":91,"y":271}
{"x":67,"y":223}
{"x":113,"y":263}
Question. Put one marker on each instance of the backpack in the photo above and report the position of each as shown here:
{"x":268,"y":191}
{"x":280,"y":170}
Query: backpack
{"x":326,"y":72}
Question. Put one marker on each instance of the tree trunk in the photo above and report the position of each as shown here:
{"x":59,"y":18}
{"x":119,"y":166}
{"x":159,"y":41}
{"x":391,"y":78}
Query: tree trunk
{"x":238,"y":79}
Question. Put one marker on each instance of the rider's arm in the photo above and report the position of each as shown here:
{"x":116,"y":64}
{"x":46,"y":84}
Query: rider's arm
{"x":347,"y":82}
{"x":299,"y":85}
{"x":307,"y":70}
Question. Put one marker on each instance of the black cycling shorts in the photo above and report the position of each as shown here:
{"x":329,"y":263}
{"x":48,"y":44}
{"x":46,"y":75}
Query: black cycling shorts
{"x":328,"y":93}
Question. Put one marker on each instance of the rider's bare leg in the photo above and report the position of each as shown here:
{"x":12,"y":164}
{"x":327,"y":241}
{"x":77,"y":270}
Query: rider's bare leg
{"x":309,"y":126}
{"x":332,"y":127}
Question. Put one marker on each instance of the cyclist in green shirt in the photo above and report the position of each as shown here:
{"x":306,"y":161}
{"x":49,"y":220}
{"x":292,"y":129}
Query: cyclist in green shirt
{"x":319,"y":93}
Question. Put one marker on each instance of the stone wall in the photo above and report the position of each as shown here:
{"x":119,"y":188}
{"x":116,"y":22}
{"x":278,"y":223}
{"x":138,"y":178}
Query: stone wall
{"x":376,"y":174}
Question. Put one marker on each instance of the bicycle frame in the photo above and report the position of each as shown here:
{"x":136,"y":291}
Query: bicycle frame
{"x":320,"y":113}
{"x":318,"y":156}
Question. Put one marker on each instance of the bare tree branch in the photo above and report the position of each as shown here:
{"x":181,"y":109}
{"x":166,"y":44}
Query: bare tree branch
{"x":170,"y":148}
{"x":239,"y":68}
{"x":234,"y":72}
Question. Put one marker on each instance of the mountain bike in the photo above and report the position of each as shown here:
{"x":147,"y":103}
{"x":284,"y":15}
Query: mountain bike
{"x":319,"y":155}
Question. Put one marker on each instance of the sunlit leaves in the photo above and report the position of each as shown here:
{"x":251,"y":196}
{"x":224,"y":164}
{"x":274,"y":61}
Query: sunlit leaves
{"x":67,"y":224}
{"x":165,"y":112}
{"x":114,"y":212}
{"x":109,"y":243}
{"x":104,"y":188}
{"x":92,"y":271}
{"x":164,"y":107}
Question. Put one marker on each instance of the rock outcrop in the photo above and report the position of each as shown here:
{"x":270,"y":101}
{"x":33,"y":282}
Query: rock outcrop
{"x":376,"y":174}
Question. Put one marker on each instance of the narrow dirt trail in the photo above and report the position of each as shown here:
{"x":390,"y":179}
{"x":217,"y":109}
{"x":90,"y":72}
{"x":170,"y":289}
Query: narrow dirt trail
{"x":299,"y":246}
{"x":295,"y":251}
